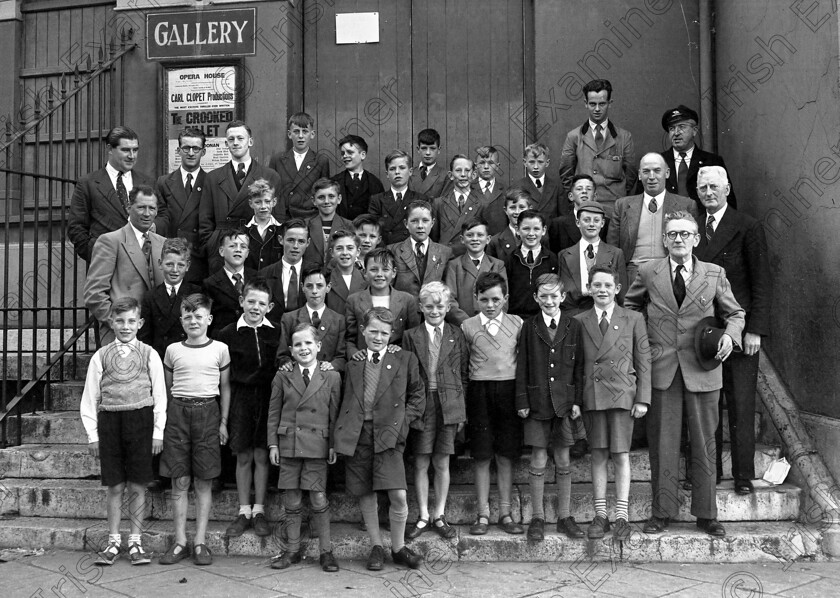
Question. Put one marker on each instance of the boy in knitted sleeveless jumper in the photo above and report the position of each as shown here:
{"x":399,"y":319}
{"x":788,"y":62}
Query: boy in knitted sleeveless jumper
{"x":123,"y":410}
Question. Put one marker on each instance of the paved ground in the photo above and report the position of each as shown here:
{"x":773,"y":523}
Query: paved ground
{"x":70,"y":574}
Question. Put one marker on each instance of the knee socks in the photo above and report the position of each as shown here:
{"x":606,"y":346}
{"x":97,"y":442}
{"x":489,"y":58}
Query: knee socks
{"x":322,"y":523}
{"x":564,"y":491}
{"x":398,"y":518}
{"x":537,"y":483}
{"x":293,"y":518}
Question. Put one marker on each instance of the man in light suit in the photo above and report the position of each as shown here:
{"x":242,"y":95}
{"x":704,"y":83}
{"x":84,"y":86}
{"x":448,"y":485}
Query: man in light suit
{"x":180,"y":192}
{"x":224,"y":198}
{"x":637,"y":223}
{"x":677,"y":292}
{"x":100,"y":201}
{"x":125,"y":262}
{"x":736,"y":242}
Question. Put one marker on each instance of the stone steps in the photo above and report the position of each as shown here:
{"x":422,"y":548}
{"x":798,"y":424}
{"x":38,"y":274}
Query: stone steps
{"x":772,"y":542}
{"x":87,"y":499}
{"x":72,"y":460}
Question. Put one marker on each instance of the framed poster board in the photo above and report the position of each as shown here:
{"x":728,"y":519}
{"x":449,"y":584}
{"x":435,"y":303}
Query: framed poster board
{"x":201,"y":97}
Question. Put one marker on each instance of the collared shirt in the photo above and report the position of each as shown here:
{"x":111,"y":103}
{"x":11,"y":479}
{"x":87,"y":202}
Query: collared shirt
{"x":515,"y":231}
{"x":718,"y":216}
{"x":425,"y":245}
{"x":230,"y":274}
{"x":170,"y":288}
{"x":660,"y":199}
{"x":137,"y":233}
{"x":605,"y":124}
{"x":584,"y":270}
{"x":128,"y":181}
{"x":308,"y":370}
{"x":242,"y":323}
{"x":686,"y":271}
{"x":429,"y":168}
{"x":678,"y":158}
{"x":536,"y":252}
{"x":287,"y":274}
{"x":487,"y":186}
{"x":370,"y":355}
{"x":541,"y":180}
{"x":246,"y":162}
{"x":431,"y":329}
{"x":402,"y":191}
{"x":299,"y":158}
{"x":600,"y":312}
{"x":494,"y":325}
{"x":261,"y":227}
{"x":184,"y":174}
{"x":313,"y":312}
{"x":479,"y":258}
{"x":547,"y":319}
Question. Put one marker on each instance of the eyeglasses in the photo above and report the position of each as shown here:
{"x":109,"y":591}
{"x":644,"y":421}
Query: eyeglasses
{"x":191,"y":149}
{"x":684,"y":234}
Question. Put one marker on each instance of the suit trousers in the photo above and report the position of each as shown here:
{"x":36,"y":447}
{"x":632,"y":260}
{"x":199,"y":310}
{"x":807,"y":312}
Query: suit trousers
{"x":740,"y":376}
{"x":664,"y":422}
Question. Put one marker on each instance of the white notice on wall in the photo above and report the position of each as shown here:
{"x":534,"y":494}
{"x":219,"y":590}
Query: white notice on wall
{"x":357,"y":28}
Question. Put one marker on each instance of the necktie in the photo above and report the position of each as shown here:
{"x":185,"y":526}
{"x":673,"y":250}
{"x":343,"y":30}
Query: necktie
{"x":599,"y":136}
{"x":375,"y":358}
{"x":292,"y":293}
{"x":423,"y":173}
{"x":398,"y":197}
{"x":710,"y":230}
{"x":476,"y":263}
{"x":679,"y":286}
{"x":172,"y":295}
{"x":306,"y":376}
{"x":589,"y":256}
{"x":237,"y":283}
{"x":436,"y":339}
{"x":530,"y":259}
{"x":487,"y":189}
{"x":420,"y":260}
{"x":357,"y":177}
{"x":538,"y":183}
{"x":682,"y":175}
{"x":316,"y":320}
{"x":653,"y":206}
{"x":188,"y":186}
{"x":604,"y":323}
{"x":122,"y":193}
{"x":240,"y":175}
{"x":460,"y":202}
{"x":553,"y":324}
{"x":147,"y":252}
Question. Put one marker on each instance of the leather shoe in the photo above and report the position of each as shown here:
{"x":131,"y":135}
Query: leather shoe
{"x":171,"y":557}
{"x":238,"y":527}
{"x":569,"y":527}
{"x":286,"y":560}
{"x":328,"y":562}
{"x":656,"y":525}
{"x":261,"y":526}
{"x":713,"y":527}
{"x":376,"y":558}
{"x":536,"y":529}
{"x":744,"y":487}
{"x":598,"y":527}
{"x":509,"y":526}
{"x":621,"y":530}
{"x":404,"y":556}
{"x":479,"y":528}
{"x":421,"y":526}
{"x":443,"y":529}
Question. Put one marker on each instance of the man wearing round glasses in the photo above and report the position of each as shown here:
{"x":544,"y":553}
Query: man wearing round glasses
{"x":677,"y":292}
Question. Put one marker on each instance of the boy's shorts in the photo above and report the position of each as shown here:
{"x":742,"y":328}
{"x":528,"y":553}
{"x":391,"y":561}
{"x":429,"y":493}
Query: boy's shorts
{"x":248,"y":418}
{"x":302,"y":474}
{"x":556,"y":432}
{"x":191,"y":444}
{"x":368,"y":471}
{"x":609,"y":429}
{"x":436,"y":437}
{"x":125,"y":446}
{"x":492,"y":424}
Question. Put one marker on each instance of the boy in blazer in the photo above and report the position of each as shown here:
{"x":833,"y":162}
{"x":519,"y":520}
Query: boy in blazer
{"x":462,"y":272}
{"x":563,"y":231}
{"x":328,"y":324}
{"x":419,"y":260}
{"x":616,"y":390}
{"x":384,"y":396}
{"x":430,"y":179}
{"x":284,"y":277}
{"x":299,"y":167}
{"x":391,"y":206}
{"x":265,"y":243}
{"x":445,"y":369}
{"x":461,"y":203}
{"x":550,"y":350}
{"x":491,"y":189}
{"x":300,"y":441}
{"x":545,"y":191}
{"x":326,"y":196}
{"x":225,"y":286}
{"x":504,"y":243}
{"x":344,"y":272}
{"x":355,"y":184}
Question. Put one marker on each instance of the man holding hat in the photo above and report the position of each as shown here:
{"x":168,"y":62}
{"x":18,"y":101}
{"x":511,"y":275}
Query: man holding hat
{"x":684,"y":158}
{"x":577,"y":260}
{"x":677,"y":292}
{"x":736,"y":241}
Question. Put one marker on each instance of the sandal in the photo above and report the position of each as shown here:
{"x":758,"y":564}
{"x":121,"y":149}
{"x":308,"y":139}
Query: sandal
{"x":417,"y":529}
{"x":479,"y":528}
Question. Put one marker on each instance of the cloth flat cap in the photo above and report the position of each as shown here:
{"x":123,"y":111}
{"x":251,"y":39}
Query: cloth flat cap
{"x":678,"y":115}
{"x":591,"y":206}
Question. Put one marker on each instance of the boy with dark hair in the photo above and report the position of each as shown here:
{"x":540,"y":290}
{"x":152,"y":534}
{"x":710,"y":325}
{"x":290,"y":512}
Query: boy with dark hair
{"x":430,"y":179}
{"x":300,"y":167}
{"x":123,"y":410}
{"x":545,"y":190}
{"x":419,"y":260}
{"x":356,"y":185}
{"x":264,"y":244}
{"x":345,"y":273}
{"x":283,"y":277}
{"x":326,"y":195}
{"x":504,"y":243}
{"x":491,"y":189}
{"x":225,"y":286}
{"x":369,"y":231}
{"x":391,"y":205}
{"x":563,"y":231}
{"x":529,"y":261}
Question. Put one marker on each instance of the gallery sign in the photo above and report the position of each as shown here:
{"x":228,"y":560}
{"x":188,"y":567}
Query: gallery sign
{"x":201,"y":34}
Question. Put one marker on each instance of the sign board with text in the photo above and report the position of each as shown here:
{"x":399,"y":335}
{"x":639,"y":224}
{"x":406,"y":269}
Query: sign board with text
{"x":201,"y":34}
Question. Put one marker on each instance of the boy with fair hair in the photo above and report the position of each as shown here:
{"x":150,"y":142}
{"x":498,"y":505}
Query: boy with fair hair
{"x":461,"y":203}
{"x":545,"y":190}
{"x":491,"y":189}
{"x":265,"y":245}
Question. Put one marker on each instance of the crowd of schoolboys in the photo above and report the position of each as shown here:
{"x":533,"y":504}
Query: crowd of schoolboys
{"x":373,"y":324}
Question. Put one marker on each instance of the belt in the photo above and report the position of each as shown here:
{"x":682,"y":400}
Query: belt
{"x":194,"y":401}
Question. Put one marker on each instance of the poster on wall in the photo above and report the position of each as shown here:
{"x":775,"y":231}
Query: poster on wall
{"x":204,"y":98}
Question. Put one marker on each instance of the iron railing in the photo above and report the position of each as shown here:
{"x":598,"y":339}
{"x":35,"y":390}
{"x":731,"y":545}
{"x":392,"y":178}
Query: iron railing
{"x":42,"y":305}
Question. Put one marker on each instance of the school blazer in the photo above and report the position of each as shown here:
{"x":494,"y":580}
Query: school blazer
{"x":563,"y":232}
{"x":182,"y":217}
{"x":502,"y":244}
{"x":403,"y":306}
{"x":332,"y":335}
{"x":392,"y":215}
{"x":624,"y":227}
{"x":435,"y":184}
{"x":337,"y":297}
{"x":162,"y":325}
{"x":460,"y":277}
{"x":296,"y":185}
{"x":316,"y":251}
{"x":453,"y":368}
{"x":119,"y":269}
{"x":301,"y":418}
{"x":547,"y":199}
{"x":355,"y":204}
{"x":226,"y":307}
{"x":494,"y":207}
{"x":408,"y":276}
{"x":399,"y":403}
{"x":263,"y":252}
{"x":549,"y":373}
{"x":449,"y":219}
{"x":95,"y":209}
{"x":273,"y":276}
{"x":616,"y":366}
{"x":570,"y":274}
{"x":671,"y":328}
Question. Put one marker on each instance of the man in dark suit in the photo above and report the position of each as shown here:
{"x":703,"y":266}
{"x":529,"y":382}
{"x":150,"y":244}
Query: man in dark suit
{"x":355,"y":184}
{"x":224,"y":198}
{"x":677,"y":292}
{"x":684,"y":158}
{"x":285,"y":278}
{"x":180,"y":192}
{"x":100,"y":201}
{"x":737,"y":243}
